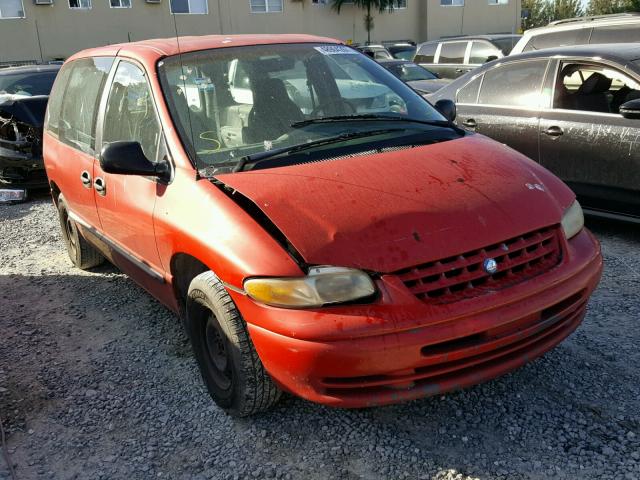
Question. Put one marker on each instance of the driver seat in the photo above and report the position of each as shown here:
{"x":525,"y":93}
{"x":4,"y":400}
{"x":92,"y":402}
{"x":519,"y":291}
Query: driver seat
{"x":273,"y":111}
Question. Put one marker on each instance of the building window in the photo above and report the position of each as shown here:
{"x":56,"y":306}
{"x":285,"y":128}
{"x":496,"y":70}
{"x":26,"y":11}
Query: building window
{"x":196,"y":7}
{"x":120,"y":3}
{"x":84,"y":4}
{"x":400,"y":4}
{"x":498,"y":2}
{"x":452,"y":3}
{"x":11,"y":9}
{"x":266,"y":6}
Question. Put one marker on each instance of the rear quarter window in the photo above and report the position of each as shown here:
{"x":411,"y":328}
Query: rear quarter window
{"x":74,"y":103}
{"x":616,"y":34}
{"x":52,"y":119}
{"x":578,"y":36}
{"x":426,"y":53}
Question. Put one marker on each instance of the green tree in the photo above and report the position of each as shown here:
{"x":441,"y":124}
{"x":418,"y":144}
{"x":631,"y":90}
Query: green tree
{"x":537,"y":13}
{"x":605,"y":7}
{"x":561,"y":9}
{"x":368,"y":5}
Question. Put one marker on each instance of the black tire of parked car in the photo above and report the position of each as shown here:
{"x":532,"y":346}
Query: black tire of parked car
{"x":228,"y":361}
{"x":82,"y":254}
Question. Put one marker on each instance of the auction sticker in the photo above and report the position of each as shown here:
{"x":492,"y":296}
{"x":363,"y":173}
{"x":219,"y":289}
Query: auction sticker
{"x":335,"y":50}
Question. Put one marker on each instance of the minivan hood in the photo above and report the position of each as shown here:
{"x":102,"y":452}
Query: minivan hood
{"x":388,"y":211}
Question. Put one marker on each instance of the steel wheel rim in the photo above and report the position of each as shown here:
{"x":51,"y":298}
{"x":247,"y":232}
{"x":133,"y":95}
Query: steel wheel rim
{"x":218,"y":353}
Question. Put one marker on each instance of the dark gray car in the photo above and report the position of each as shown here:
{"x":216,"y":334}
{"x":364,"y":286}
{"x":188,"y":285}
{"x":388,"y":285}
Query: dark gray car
{"x":417,"y":77}
{"x":575,"y":110}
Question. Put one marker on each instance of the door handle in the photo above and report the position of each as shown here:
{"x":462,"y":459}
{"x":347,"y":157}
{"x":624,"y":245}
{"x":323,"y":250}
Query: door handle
{"x":100,"y":185}
{"x":461,"y":70}
{"x":85,"y":178}
{"x":470,"y":123}
{"x":554,"y":131}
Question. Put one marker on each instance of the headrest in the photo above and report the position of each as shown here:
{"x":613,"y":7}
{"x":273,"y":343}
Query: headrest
{"x":269,"y":88}
{"x":596,"y":83}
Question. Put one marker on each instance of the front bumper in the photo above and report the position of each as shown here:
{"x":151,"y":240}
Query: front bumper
{"x":20,"y":170}
{"x":401,"y":348}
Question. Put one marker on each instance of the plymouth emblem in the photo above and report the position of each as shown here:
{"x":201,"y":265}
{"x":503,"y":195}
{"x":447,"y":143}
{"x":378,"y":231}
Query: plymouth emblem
{"x":490,"y":266}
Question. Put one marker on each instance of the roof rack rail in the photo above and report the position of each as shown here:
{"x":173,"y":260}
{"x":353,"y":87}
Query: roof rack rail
{"x":594,"y":18}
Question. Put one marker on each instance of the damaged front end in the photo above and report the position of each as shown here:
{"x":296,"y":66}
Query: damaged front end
{"x":21,"y":164}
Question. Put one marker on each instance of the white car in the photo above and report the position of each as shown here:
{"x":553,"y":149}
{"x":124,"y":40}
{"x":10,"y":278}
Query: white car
{"x":617,"y":28}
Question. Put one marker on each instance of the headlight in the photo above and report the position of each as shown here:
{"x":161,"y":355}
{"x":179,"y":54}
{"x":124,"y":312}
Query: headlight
{"x":323,"y":285}
{"x":573,"y":220}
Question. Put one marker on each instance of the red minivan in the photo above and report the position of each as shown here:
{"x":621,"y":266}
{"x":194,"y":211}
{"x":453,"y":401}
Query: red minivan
{"x":320,"y":228}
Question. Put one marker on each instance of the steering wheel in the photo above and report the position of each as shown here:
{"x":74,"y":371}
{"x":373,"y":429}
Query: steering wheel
{"x":323,"y":107}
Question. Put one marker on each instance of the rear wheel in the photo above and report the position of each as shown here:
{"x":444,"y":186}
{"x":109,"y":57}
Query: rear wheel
{"x":82,"y":254}
{"x":228,"y":361}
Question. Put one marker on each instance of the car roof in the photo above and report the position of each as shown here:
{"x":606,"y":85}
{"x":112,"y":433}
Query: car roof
{"x":586,"y":22}
{"x":29,"y":69}
{"x":620,"y":52}
{"x":497,"y":36}
{"x":150,"y":51}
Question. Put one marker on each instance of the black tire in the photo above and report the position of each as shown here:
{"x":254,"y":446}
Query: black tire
{"x":82,"y":254}
{"x":228,"y":361}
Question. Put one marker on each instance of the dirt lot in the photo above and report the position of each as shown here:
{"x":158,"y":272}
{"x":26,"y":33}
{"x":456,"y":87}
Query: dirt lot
{"x":97,"y":382}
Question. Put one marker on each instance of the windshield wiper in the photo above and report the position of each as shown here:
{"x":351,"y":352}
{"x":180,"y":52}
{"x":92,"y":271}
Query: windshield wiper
{"x":372,"y":118}
{"x":261,"y":156}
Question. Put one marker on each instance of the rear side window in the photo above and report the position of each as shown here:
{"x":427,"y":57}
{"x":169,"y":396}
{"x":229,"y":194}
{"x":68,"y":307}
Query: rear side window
{"x":452,"y":52}
{"x":616,"y":34}
{"x":426,"y":53}
{"x":482,"y":52}
{"x":514,"y":85}
{"x":74,"y":120}
{"x":578,"y":36}
{"x":52,"y":119}
{"x":469,"y":93}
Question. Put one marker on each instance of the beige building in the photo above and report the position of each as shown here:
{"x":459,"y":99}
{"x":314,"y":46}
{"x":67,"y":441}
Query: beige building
{"x":54,"y":29}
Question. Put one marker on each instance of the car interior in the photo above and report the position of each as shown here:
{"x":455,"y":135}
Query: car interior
{"x":232,"y":104}
{"x":593,"y":88}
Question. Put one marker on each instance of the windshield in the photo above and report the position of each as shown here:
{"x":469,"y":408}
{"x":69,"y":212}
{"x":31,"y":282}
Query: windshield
{"x":228,"y":103}
{"x":29,"y":84}
{"x":410,"y":72}
{"x":403,"y":53}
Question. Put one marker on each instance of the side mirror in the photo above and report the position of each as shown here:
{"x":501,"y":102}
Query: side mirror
{"x":447,"y":108}
{"x":127,"y":158}
{"x":491,"y":58}
{"x":631,"y":109}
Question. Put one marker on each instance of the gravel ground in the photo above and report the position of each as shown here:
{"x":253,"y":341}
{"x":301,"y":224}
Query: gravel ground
{"x":97,"y":381}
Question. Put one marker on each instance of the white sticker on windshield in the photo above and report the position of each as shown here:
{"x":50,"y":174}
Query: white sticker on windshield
{"x":335,"y":50}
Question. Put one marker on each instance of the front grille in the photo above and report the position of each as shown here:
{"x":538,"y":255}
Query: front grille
{"x":463,"y":276}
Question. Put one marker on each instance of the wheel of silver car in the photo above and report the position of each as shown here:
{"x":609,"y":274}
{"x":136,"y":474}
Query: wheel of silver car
{"x":228,"y":361}
{"x":82,"y":254}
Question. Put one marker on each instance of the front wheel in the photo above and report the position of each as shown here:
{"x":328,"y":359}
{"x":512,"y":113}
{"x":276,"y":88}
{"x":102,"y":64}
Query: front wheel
{"x":228,"y":361}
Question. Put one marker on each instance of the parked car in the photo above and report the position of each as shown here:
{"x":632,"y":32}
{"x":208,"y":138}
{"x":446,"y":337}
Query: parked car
{"x":617,"y":28}
{"x":377,"y":52}
{"x":402,"y":50}
{"x":23,"y":99}
{"x":353,"y":259}
{"x":453,"y":57}
{"x":417,"y":77}
{"x":574,"y":110}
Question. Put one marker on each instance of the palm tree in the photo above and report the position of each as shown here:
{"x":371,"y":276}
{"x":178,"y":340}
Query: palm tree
{"x":368,"y":5}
